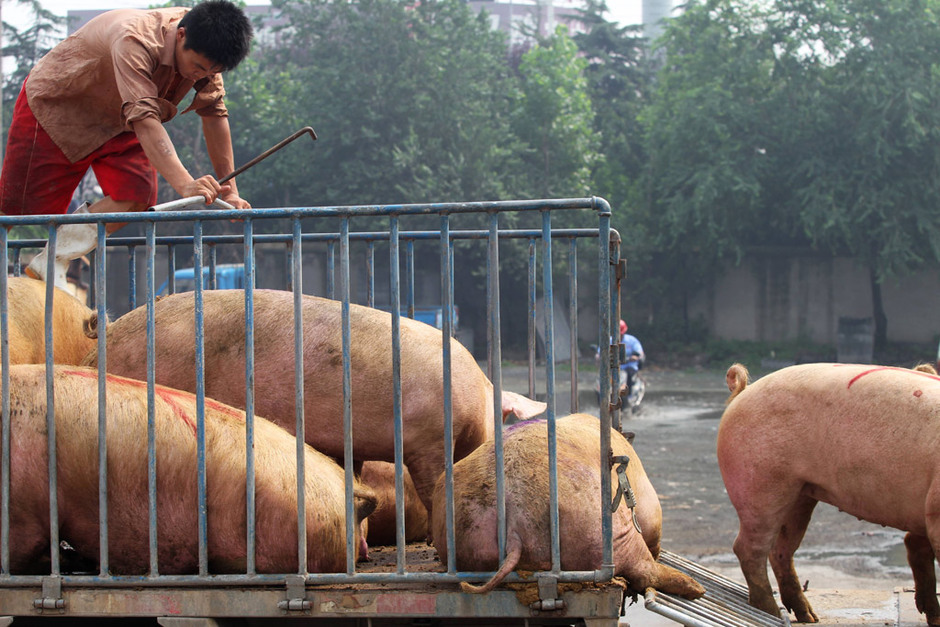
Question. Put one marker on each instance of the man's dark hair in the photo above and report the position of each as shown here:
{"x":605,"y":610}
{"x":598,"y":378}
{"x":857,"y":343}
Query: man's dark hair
{"x":218,"y":30}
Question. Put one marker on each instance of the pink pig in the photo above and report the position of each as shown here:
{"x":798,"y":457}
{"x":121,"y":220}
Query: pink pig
{"x":528,"y":545}
{"x":76,"y":423}
{"x":371,"y":366}
{"x":859,"y":437}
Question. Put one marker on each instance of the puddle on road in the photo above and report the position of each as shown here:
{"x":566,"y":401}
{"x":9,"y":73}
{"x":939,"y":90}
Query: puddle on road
{"x":679,"y":406}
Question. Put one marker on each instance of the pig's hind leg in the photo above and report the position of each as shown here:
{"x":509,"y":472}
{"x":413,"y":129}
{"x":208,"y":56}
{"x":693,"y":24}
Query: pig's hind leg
{"x":762,"y":509}
{"x":781,"y":559}
{"x":920,"y":557}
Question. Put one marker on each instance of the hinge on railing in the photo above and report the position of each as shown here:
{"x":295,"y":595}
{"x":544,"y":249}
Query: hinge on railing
{"x":618,"y":355}
{"x":624,"y":490}
{"x":51,"y":595}
{"x":621,"y":269}
{"x":296,"y":595}
{"x":549,"y":600}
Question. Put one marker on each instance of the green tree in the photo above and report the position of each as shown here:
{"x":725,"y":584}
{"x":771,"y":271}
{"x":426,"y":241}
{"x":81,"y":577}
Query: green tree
{"x":555,"y":119}
{"x":411,"y":103}
{"x":867,"y":179}
{"x":619,"y":76}
{"x":710,"y":136}
{"x":797,"y":123}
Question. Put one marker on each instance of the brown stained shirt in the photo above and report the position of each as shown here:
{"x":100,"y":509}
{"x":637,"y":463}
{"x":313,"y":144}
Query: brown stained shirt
{"x":118,"y":68}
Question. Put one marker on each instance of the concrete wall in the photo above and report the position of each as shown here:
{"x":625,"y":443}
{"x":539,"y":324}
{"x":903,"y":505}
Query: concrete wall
{"x":774,"y":297}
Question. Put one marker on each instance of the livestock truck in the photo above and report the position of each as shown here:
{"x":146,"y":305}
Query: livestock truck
{"x":556,"y":262}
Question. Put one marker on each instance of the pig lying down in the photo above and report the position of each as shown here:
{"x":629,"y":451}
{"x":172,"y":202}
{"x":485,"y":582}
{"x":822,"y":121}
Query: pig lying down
{"x":76,"y":415}
{"x":862,"y":438}
{"x":371,"y":364}
{"x":528,"y":542}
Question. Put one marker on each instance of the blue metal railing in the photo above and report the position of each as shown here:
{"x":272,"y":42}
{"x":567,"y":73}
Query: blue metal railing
{"x":598,"y":234}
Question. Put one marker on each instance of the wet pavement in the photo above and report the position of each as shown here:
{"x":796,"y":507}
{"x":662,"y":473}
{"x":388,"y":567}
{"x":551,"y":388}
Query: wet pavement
{"x":855,"y":573}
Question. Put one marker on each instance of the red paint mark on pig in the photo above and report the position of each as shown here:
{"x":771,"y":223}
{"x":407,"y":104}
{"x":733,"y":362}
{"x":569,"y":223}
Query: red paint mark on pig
{"x":890,"y":368}
{"x":168,"y":398}
{"x":168,"y":395}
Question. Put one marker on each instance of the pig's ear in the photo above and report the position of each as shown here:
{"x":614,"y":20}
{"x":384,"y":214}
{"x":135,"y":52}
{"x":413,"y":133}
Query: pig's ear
{"x":520,"y":406}
{"x":90,"y":325}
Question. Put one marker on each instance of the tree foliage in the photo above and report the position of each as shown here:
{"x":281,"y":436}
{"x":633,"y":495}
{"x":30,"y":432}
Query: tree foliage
{"x":796,"y":123}
{"x":555,"y":119}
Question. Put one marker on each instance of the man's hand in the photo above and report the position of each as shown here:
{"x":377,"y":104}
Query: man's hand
{"x":231,"y":196}
{"x":205,"y":186}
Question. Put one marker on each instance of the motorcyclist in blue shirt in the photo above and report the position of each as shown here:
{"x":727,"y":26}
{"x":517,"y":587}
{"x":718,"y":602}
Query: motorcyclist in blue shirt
{"x":635,"y":357}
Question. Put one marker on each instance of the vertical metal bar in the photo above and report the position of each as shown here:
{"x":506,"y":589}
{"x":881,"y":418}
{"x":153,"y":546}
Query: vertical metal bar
{"x":493,"y":342}
{"x":370,"y":273}
{"x":213,"y":267}
{"x":5,"y":415}
{"x":410,"y":278}
{"x":550,"y":385}
{"x":614,"y":337}
{"x":132,"y":276}
{"x":330,"y":269}
{"x":351,"y":547}
{"x":200,"y":401}
{"x":250,"y":394}
{"x":299,"y":427}
{"x":100,"y":292}
{"x":50,"y":406}
{"x":530,"y":312}
{"x":171,"y":269}
{"x":395,"y":294}
{"x":448,"y":300}
{"x":151,"y":433}
{"x":288,"y":262}
{"x":489,"y":311}
{"x":453,"y":328}
{"x":606,"y":250}
{"x":573,"y":319}
{"x":92,"y":280}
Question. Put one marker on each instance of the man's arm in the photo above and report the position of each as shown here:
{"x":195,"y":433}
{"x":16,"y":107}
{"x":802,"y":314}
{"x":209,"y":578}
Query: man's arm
{"x":162,"y":154}
{"x":218,"y":136}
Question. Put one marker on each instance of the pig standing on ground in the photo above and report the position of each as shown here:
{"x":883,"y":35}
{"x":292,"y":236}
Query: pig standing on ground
{"x":380,"y":476}
{"x":371,"y":363}
{"x":76,"y":415}
{"x":26,"y":302}
{"x":528,"y":544}
{"x":862,"y":438}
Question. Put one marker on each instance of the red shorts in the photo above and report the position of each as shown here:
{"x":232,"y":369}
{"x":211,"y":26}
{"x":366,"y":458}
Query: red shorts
{"x":38,"y":178}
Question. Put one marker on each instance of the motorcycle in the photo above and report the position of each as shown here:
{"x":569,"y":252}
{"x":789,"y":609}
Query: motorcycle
{"x":630,"y":399}
{"x":634,"y":396}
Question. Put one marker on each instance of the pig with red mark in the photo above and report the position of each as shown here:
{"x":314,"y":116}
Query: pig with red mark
{"x":862,"y":438}
{"x":76,"y":424}
{"x":371,"y":364}
{"x":380,"y":476}
{"x":26,"y":305}
{"x":528,"y":542}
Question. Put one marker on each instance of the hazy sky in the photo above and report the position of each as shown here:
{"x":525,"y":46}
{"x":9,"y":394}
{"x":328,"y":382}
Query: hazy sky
{"x":623,"y":11}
